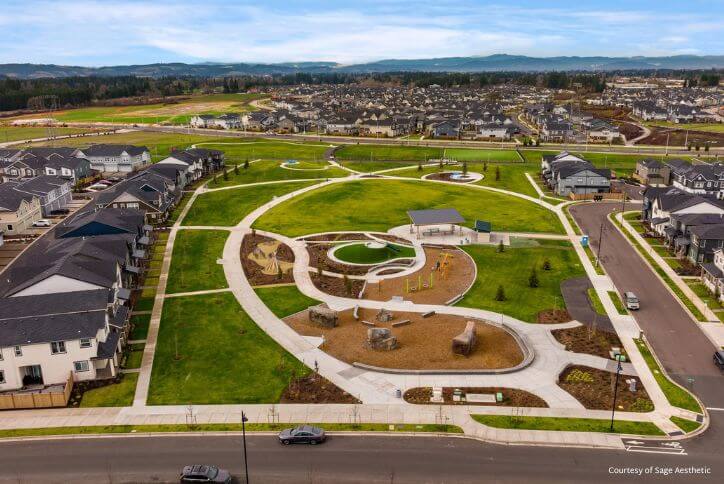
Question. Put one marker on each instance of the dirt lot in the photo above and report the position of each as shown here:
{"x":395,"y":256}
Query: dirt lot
{"x":594,"y":389}
{"x":677,"y":137}
{"x":512,"y":397}
{"x":425,"y":343}
{"x":460,"y":275}
{"x":580,"y":340}
{"x":254,"y":272}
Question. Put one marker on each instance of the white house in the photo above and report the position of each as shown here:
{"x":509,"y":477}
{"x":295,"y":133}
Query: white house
{"x":116,"y":158}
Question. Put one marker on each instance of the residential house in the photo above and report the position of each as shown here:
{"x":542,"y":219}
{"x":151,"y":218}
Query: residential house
{"x":18,"y":210}
{"x":652,"y":172}
{"x":698,"y":179}
{"x":73,"y":169}
{"x":152,"y":193}
{"x":116,"y":158}
{"x":54,"y":193}
{"x":712,"y":274}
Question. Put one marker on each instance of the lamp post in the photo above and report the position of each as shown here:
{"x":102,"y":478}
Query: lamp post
{"x":615,"y":389}
{"x":243,"y":437}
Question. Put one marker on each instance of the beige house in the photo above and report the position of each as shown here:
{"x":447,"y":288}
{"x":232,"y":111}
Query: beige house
{"x":18,"y":211}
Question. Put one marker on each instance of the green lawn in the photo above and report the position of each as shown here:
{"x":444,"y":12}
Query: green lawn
{"x":193,"y":266}
{"x":469,"y":154}
{"x":596,"y":301}
{"x":210,"y":352}
{"x":378,"y":205}
{"x":685,"y":424}
{"x":284,"y":300}
{"x":270,"y":170}
{"x":512,"y":269}
{"x":370,"y":166}
{"x":114,"y":395}
{"x":229,"y":207}
{"x":236,"y":152}
{"x":361,"y":254}
{"x":387,"y":153}
{"x":568,"y":424}
{"x":676,"y":395}
{"x":617,"y":302}
{"x":17,"y":133}
{"x":144,"y":304}
{"x":135,"y":355}
{"x":707,"y":127}
{"x":140,"y":326}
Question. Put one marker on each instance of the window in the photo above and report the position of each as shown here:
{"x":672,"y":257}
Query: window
{"x":85,"y":343}
{"x":57,"y":347}
{"x":18,"y":351}
{"x":10,"y":227}
{"x":2,"y":377}
{"x":80,"y":366}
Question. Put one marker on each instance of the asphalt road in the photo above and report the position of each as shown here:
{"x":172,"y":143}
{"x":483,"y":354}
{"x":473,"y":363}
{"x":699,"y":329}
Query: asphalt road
{"x":340,"y":460}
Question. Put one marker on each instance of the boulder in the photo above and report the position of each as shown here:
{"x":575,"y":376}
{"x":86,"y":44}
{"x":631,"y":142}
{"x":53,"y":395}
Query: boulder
{"x":323,"y":316}
{"x":381,"y":339}
{"x":384,"y":316}
{"x":464,"y":343}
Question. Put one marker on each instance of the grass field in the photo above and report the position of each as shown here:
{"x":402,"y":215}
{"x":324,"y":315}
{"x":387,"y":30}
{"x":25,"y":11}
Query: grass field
{"x":512,"y":268}
{"x":387,"y":153}
{"x":229,"y":207}
{"x":236,"y":152}
{"x":210,"y":352}
{"x":370,"y":166}
{"x":17,"y":133}
{"x":706,"y":127}
{"x":114,"y":395}
{"x":469,"y":154}
{"x":193,"y":265}
{"x":270,"y":170}
{"x":170,"y":113}
{"x":568,"y":424}
{"x":361,"y":254}
{"x":378,"y":205}
{"x":284,"y":300}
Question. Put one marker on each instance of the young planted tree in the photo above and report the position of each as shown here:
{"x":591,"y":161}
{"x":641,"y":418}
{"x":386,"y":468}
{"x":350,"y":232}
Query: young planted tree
{"x":225,"y":174}
{"x":465,"y":167}
{"x":500,"y":293}
{"x":547,"y":264}
{"x":419,"y":166}
{"x":347,"y":284}
{"x":485,"y":166}
{"x":497,"y":173}
{"x":501,"y":247}
{"x":236,"y":169}
{"x":533,"y":278}
{"x":246,"y":163}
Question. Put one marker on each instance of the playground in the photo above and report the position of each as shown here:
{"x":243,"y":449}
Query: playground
{"x":422,"y":344}
{"x":266,"y":260}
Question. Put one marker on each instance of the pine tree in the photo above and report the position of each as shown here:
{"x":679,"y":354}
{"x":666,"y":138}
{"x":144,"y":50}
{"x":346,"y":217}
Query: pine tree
{"x":533,"y":278}
{"x":246,"y":163}
{"x":547,"y":264}
{"x":500,"y":293}
{"x":497,"y":173}
{"x":485,"y":166}
{"x":419,"y":167}
{"x":465,"y":167}
{"x":236,"y":169}
{"x":501,"y":246}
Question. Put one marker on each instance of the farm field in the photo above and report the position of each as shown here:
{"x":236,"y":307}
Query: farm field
{"x":210,"y":352}
{"x":17,"y":133}
{"x":167,"y":113}
{"x":270,"y":170}
{"x":229,"y":207}
{"x":252,"y":149}
{"x":378,"y":205}
{"x":193,"y":264}
{"x":512,"y":268}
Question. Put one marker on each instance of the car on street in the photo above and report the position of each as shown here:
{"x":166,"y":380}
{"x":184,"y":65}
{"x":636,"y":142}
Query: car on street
{"x":632,"y":302}
{"x":97,"y":186}
{"x":204,"y":473}
{"x":719,"y":359}
{"x":43,"y":222}
{"x":304,"y":434}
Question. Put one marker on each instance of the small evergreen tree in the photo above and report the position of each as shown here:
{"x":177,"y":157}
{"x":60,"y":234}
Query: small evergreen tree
{"x":500,"y":293}
{"x":246,"y":163}
{"x":226,"y":174}
{"x":497,"y":173}
{"x":465,"y":167}
{"x":485,"y":166}
{"x":533,"y":278}
{"x":501,"y":246}
{"x":236,"y":169}
{"x":419,"y":166}
{"x":547,"y":264}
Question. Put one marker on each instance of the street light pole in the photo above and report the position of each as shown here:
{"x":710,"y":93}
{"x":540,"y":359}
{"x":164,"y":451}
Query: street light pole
{"x":615,"y":389}
{"x":600,"y":239}
{"x":243,"y":436}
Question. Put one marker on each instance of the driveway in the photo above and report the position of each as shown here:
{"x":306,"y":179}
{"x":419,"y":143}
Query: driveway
{"x":679,"y":343}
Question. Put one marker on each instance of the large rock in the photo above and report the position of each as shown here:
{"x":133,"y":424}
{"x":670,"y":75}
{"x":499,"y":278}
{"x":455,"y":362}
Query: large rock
{"x":384,"y":316}
{"x":464,"y":343}
{"x":323,"y":316}
{"x":381,"y":339}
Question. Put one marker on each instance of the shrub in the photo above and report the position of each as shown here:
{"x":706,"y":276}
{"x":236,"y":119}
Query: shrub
{"x":500,"y":293}
{"x":497,"y":173}
{"x":547,"y":264}
{"x":533,"y":278}
{"x":419,"y":167}
{"x":501,"y":247}
{"x":246,"y":163}
{"x":642,"y":405}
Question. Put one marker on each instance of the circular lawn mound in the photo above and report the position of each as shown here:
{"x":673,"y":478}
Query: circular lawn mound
{"x":369,"y":253}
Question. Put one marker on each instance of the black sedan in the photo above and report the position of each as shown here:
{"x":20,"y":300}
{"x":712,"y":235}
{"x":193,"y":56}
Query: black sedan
{"x":304,"y":434}
{"x":202,"y":473}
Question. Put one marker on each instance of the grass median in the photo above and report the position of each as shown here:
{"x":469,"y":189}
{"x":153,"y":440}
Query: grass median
{"x":561,"y":424}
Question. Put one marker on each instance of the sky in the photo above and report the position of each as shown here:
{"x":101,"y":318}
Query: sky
{"x":119,"y":32}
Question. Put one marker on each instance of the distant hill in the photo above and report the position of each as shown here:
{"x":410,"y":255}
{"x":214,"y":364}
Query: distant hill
{"x":491,"y":63}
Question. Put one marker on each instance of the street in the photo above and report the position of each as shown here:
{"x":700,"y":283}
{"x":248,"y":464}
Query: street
{"x":341,"y":459}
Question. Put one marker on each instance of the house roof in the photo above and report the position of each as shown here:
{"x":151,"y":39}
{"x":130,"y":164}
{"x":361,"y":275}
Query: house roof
{"x":113,"y":150}
{"x":435,"y":216}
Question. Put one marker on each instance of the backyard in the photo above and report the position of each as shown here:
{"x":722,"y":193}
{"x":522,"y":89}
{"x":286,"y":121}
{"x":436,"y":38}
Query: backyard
{"x":512,"y":268}
{"x":210,"y":352}
{"x":378,"y":205}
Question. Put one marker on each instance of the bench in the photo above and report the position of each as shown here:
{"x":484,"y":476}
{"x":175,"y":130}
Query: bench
{"x":428,"y":314}
{"x":368,"y":323}
{"x":404,"y":322}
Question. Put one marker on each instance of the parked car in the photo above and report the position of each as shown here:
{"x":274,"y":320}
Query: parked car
{"x":43,"y":222}
{"x":304,"y":434}
{"x":204,"y":473}
{"x":719,"y":359}
{"x":97,"y":186}
{"x":632,"y":302}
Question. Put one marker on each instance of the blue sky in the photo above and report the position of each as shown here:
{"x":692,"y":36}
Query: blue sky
{"x":109,"y":32}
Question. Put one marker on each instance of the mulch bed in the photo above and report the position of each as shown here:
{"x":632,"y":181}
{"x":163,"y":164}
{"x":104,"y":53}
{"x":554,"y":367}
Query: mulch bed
{"x":393,"y":238}
{"x":552,"y":316}
{"x":388,"y":272}
{"x":424,"y":343}
{"x":335,"y":286}
{"x":314,"y":388}
{"x":253,"y":271}
{"x":318,"y":256}
{"x":687,"y":268}
{"x":512,"y":397}
{"x":581,"y":340}
{"x":336,"y":237}
{"x":594,"y":389}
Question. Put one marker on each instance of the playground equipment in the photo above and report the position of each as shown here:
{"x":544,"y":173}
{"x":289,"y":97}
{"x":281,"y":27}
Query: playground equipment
{"x":421,"y":286}
{"x":443,"y":263}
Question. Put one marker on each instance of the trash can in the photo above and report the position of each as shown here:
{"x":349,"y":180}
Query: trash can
{"x":398,"y":393}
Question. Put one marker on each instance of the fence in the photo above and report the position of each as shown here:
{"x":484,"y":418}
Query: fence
{"x":14,"y":401}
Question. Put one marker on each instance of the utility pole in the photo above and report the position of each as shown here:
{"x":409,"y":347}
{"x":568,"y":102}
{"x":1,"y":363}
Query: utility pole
{"x":615,"y":389}
{"x":600,"y":239}
{"x":243,"y":436}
